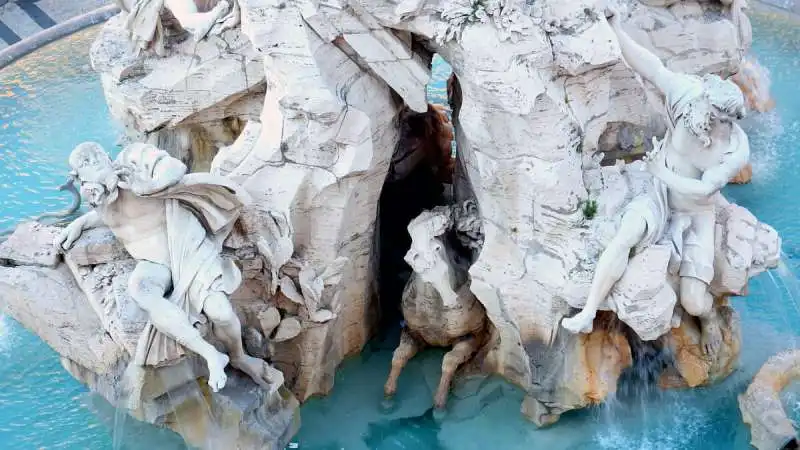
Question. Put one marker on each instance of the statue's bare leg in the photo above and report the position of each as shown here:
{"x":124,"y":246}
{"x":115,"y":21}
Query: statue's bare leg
{"x":228,"y":329}
{"x":698,"y":302}
{"x":402,"y":354}
{"x":697,"y":270}
{"x":147,"y":285}
{"x":610,"y":267}
{"x":462,"y":351}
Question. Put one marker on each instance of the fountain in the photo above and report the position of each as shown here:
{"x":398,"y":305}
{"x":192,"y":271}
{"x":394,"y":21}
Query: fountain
{"x":265,"y":134}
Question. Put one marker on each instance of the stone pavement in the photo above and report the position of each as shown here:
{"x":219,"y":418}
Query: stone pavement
{"x":20,"y":19}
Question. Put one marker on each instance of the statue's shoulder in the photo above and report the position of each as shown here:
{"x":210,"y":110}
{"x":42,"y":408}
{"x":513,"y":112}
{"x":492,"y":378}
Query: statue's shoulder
{"x":149,"y":159}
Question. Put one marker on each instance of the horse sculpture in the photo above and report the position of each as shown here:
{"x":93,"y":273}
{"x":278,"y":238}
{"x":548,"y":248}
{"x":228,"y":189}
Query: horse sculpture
{"x":438,"y":307}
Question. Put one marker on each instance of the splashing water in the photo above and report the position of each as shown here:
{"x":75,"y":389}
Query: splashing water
{"x":754,"y":81}
{"x":6,"y":335}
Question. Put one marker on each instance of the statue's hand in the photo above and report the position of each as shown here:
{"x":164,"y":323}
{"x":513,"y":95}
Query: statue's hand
{"x":655,"y":159}
{"x":65,"y":240}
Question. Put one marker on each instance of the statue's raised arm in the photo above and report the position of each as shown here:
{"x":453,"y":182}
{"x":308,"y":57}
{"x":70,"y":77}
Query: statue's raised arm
{"x":641,"y":60}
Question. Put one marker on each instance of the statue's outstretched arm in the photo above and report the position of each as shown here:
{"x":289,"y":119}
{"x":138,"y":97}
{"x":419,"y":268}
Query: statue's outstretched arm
{"x":714,"y":178}
{"x":90,"y":220}
{"x":67,"y":237}
{"x":641,"y":60}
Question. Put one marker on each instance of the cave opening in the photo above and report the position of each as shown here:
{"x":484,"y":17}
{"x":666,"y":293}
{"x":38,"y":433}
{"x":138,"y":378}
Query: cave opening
{"x":420,"y":177}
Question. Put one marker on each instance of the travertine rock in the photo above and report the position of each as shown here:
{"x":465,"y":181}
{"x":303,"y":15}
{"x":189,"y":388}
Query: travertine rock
{"x":96,"y":246}
{"x":49,"y":303}
{"x":690,"y":362}
{"x":761,"y":406}
{"x":745,"y":248}
{"x":744,"y":176}
{"x":28,"y":245}
{"x":575,"y":371}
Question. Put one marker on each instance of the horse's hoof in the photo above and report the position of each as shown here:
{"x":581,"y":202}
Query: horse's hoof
{"x":439,"y":414}
{"x":388,"y":405}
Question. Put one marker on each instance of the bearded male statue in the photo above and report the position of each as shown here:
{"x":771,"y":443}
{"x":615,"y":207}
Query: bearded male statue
{"x":173,"y":224}
{"x":704,"y":148}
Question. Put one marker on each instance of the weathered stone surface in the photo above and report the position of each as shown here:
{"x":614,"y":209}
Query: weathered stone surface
{"x":690,"y":361}
{"x":31,"y":245}
{"x":96,"y":246}
{"x":575,"y":371}
{"x":195,"y":77}
{"x":643,"y":298}
{"x":745,"y":247}
{"x":761,"y":405}
{"x":50,"y":303}
{"x":105,"y":287}
{"x":241,"y":415}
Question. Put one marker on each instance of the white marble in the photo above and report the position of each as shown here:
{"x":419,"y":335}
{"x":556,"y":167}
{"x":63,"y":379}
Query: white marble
{"x":298,"y":106}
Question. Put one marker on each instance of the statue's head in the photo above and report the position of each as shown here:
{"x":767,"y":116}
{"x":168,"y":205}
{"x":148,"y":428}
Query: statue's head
{"x":427,"y":255}
{"x":94,"y":171}
{"x":721,"y":103}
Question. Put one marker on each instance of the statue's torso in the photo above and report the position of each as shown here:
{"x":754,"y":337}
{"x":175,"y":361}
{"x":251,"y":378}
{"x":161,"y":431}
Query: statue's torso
{"x":140,"y":223}
{"x":686,"y":156}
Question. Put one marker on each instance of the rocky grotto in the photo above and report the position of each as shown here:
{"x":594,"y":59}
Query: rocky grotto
{"x":285,"y":192}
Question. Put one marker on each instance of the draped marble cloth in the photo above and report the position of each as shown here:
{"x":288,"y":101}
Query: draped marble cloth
{"x":144,"y":24}
{"x":201,"y":210}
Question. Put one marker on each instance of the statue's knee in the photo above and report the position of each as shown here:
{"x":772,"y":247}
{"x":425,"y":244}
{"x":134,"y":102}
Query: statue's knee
{"x":695,"y":298}
{"x":220,"y":311}
{"x":141,"y":291}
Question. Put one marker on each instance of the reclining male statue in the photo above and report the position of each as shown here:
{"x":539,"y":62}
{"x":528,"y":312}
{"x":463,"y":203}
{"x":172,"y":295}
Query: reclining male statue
{"x":173,"y":224}
{"x":702,"y":150}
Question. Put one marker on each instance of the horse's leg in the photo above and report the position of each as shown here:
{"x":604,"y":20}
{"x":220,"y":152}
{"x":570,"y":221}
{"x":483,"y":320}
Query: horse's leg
{"x":402,"y":354}
{"x":462,"y":351}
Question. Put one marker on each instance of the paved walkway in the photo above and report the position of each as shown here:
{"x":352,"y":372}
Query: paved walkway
{"x":20,"y":19}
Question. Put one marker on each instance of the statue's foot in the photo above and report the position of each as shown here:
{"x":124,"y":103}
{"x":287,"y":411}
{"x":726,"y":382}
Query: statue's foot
{"x":216,"y":371}
{"x":583,"y":322}
{"x":260,"y":371}
{"x":711,"y":338}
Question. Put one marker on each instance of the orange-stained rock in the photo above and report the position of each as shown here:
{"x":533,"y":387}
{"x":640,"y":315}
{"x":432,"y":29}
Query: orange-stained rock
{"x":576,"y":370}
{"x":691,"y":367}
{"x":744,"y":176}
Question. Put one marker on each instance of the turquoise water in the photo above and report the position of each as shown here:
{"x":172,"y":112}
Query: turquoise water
{"x":51,"y":101}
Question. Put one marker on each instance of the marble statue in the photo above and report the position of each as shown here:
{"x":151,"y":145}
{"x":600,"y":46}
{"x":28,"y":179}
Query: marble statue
{"x":173,"y":224}
{"x":438,"y":307}
{"x":702,"y":150}
{"x":199,"y":17}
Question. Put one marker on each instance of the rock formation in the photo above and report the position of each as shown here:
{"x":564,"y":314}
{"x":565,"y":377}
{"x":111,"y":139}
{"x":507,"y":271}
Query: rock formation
{"x":300,"y":106}
{"x":761,"y":405}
